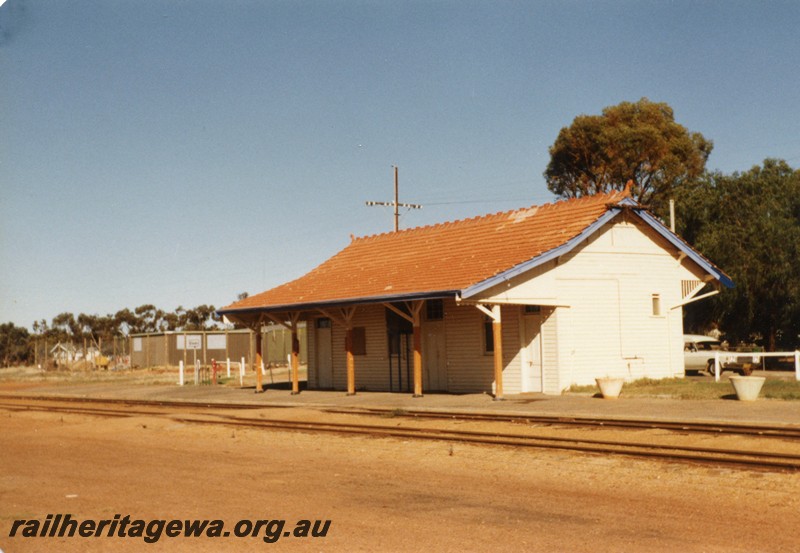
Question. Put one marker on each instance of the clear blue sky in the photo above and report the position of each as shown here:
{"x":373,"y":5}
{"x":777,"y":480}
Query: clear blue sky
{"x":180,"y":152}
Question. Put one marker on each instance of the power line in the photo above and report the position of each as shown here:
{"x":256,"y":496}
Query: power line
{"x":484,"y":201}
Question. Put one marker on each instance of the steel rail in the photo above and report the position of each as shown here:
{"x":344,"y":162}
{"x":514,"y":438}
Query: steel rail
{"x":716,"y":456}
{"x":154,"y":402}
{"x":786,"y":432}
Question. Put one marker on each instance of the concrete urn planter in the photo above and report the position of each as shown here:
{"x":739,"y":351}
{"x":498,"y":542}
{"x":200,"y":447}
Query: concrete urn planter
{"x":747,"y":388}
{"x":610,"y":387}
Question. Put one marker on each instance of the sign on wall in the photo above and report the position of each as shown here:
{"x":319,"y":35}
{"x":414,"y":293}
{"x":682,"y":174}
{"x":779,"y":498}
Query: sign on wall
{"x":194,"y":341}
{"x":190,"y":341}
{"x":216,"y":341}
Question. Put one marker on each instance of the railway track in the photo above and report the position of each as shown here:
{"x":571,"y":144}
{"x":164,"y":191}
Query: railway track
{"x":786,"y":432}
{"x":719,"y":428}
{"x":210,"y":413}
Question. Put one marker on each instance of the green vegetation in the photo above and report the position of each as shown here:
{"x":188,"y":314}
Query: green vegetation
{"x":15,"y":345}
{"x":777,"y":389}
{"x":683,"y":388}
{"x":749,"y":225}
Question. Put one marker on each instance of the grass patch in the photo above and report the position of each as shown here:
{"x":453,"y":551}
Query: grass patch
{"x":681,"y":388}
{"x":781,"y":389}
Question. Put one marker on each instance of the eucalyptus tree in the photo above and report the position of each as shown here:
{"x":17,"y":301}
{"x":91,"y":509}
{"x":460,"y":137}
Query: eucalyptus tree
{"x":15,"y":345}
{"x":749,"y":224}
{"x":636,"y":141}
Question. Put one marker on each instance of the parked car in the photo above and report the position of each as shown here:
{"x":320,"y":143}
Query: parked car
{"x":699,"y":352}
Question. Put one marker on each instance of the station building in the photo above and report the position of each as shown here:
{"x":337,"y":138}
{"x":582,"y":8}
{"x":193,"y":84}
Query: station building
{"x":531,"y":300}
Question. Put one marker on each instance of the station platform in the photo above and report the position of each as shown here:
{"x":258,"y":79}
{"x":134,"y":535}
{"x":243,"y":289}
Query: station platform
{"x":763,"y":411}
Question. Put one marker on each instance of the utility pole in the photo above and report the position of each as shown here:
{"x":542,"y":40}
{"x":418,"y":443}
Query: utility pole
{"x":672,"y":215}
{"x":396,"y":203}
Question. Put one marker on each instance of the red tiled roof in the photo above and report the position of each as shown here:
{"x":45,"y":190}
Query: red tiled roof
{"x":438,"y":258}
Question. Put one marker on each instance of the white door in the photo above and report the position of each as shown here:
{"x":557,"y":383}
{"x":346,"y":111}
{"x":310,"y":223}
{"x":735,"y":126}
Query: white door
{"x":434,"y":369}
{"x":324,"y":357}
{"x":532,"y":353}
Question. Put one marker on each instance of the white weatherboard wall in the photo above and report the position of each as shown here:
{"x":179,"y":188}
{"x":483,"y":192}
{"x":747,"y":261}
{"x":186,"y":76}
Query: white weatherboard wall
{"x":469,"y":367}
{"x":602,"y":295}
{"x":372,"y":369}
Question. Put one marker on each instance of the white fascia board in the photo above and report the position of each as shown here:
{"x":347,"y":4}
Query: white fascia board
{"x":682,"y":246}
{"x":542,"y":302}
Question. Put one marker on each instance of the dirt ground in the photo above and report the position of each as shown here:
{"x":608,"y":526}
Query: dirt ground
{"x":379,"y":494}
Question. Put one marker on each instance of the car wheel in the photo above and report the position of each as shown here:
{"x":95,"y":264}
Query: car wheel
{"x":710,"y":368}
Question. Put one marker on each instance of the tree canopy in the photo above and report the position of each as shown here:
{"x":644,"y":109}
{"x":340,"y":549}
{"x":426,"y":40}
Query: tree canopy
{"x":749,"y":224}
{"x":638,"y":141}
{"x":15,"y":347}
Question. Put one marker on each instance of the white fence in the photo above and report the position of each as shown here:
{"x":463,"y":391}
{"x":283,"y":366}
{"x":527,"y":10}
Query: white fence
{"x":227,"y":365}
{"x":756,"y":354}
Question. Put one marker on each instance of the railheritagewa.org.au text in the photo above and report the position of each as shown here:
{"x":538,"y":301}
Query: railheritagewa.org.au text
{"x":152,"y":530}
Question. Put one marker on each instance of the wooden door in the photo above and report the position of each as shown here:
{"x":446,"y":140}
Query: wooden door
{"x":532,"y":353}
{"x":434,"y":357}
{"x":324,"y":353}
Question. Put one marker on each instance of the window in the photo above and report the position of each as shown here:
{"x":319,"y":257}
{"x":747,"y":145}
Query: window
{"x":656,"y":301}
{"x":434,"y":310}
{"x":359,"y":345}
{"x":533,"y":309}
{"x":324,"y":322}
{"x":488,"y":335}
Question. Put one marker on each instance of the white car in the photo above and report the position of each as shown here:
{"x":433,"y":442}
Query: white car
{"x":699,"y":352}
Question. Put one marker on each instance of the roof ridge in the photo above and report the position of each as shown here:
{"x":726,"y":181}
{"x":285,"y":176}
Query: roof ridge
{"x":404,"y":232}
{"x":439,"y":225}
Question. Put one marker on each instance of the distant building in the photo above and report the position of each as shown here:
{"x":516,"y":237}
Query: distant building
{"x":171,"y":347}
{"x":63,"y":353}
